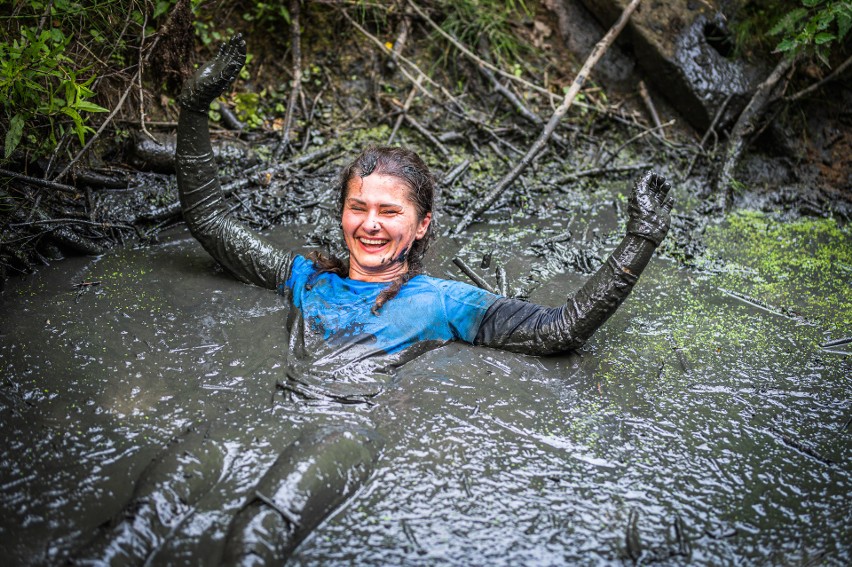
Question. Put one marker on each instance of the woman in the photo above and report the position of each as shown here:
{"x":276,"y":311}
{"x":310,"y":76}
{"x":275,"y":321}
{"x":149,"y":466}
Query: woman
{"x":378,"y":305}
{"x":352,"y":320}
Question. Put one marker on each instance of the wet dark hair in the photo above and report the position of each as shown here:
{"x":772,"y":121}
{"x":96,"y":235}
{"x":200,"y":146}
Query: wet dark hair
{"x":406,"y":166}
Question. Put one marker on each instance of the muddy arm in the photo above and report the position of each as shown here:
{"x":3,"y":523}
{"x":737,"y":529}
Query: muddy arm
{"x":246,"y":255}
{"x":524,"y":327}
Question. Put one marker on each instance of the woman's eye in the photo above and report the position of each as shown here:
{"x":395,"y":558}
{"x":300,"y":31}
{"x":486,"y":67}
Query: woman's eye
{"x":390,"y":213}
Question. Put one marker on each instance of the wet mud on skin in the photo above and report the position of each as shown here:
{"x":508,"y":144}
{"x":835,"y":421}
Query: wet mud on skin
{"x":703,"y":424}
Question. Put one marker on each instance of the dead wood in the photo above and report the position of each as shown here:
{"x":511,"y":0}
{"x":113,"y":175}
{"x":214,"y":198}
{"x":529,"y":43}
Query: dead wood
{"x":474,"y":277}
{"x":745,"y":126}
{"x":249,"y":177}
{"x":549,"y":128}
{"x":296,"y":51}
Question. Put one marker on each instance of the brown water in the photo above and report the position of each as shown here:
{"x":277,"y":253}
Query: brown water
{"x":694,"y":428}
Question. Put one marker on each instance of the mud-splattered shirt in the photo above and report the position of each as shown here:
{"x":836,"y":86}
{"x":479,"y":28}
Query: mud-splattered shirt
{"x":425,"y":309}
{"x":339,"y":350}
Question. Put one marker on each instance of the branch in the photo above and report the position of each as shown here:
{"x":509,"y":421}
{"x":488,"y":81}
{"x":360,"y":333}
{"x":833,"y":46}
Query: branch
{"x":38,"y":181}
{"x":547,"y":132}
{"x":479,"y":61}
{"x":296,"y":45}
{"x":834,"y":74}
{"x":737,"y":141}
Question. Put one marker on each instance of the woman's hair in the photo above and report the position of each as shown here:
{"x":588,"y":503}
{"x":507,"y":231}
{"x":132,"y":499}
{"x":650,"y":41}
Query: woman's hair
{"x":406,"y":166}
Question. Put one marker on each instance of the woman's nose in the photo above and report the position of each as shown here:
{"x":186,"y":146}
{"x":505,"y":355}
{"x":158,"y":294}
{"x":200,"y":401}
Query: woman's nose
{"x":372,"y":222}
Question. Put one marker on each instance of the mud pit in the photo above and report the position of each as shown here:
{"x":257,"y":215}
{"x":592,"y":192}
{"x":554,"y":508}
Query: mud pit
{"x":703,"y":424}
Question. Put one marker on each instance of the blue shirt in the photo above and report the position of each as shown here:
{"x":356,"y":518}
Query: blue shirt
{"x":426,"y":309}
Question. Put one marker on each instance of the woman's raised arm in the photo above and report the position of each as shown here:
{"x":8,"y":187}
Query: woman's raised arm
{"x":248,"y":256}
{"x":524,"y":327}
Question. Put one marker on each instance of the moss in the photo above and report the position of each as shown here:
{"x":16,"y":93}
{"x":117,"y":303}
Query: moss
{"x":801,"y":267}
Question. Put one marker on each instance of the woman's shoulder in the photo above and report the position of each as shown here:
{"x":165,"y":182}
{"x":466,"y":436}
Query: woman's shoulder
{"x":455,"y":291}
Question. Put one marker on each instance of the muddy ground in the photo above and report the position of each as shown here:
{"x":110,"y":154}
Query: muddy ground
{"x":707,"y":422}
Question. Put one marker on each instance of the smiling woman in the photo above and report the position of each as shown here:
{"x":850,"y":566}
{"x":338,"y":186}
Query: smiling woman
{"x":354,"y":320}
{"x":378,"y":303}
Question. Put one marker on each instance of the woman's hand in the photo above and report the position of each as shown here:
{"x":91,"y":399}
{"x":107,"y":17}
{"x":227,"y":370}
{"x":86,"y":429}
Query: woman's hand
{"x":649,"y":208}
{"x":212,"y":78}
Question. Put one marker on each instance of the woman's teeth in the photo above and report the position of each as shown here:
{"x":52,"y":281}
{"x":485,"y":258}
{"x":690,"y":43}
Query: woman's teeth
{"x":372,"y":241}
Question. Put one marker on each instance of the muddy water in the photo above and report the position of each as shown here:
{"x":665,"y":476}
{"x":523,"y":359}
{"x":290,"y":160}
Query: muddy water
{"x":702,"y":425}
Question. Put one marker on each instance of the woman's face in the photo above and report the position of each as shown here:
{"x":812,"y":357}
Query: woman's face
{"x":380,"y":224}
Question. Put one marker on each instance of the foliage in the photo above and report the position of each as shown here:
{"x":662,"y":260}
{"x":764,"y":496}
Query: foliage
{"x":39,"y":82}
{"x":51,"y":56}
{"x":795,"y":27}
{"x":472,"y":21}
{"x":814,"y":27}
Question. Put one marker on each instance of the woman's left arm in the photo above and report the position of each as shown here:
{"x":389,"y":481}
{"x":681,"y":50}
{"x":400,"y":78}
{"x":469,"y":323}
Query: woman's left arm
{"x":528,"y":328}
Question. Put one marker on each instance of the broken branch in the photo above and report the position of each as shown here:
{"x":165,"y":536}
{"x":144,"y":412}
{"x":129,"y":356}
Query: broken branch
{"x":549,"y":128}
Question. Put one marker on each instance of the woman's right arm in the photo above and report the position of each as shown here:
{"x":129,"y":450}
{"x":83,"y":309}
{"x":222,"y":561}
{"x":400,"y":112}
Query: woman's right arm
{"x":248,"y":256}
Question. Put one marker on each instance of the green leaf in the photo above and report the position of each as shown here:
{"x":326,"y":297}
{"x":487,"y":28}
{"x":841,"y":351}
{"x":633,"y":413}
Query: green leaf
{"x":786,"y":45}
{"x":788,"y":22}
{"x":844,"y":22}
{"x":87,"y":106}
{"x":73,"y":114}
{"x":13,"y":134}
{"x":823,"y":37}
{"x":162,"y":7}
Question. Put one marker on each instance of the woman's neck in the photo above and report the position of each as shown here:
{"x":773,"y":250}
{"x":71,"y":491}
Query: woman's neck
{"x":389,"y":274}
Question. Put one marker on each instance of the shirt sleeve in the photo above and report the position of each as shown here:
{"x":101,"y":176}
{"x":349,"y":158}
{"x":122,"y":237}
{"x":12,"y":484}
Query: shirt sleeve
{"x":465,"y":306}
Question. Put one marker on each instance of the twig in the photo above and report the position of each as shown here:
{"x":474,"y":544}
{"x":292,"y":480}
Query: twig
{"x":790,"y":442}
{"x":451,"y":177}
{"x":310,"y":120}
{"x":545,"y":135}
{"x":601,"y":171}
{"x":834,"y":74}
{"x":710,"y":130}
{"x":634,"y":138}
{"x":481,"y":283}
{"x":838,"y":342}
{"x":755,"y":302}
{"x":427,"y":134}
{"x":737,"y":141}
{"x":71,"y":221}
{"x":649,"y":104}
{"x":405,"y":108}
{"x":139,"y":71}
{"x":401,"y":38}
{"x":38,"y":182}
{"x":296,"y":45}
{"x":525,"y":112}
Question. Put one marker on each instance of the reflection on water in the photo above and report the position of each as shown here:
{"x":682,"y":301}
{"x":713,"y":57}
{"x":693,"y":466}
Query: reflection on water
{"x":694,"y":428}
